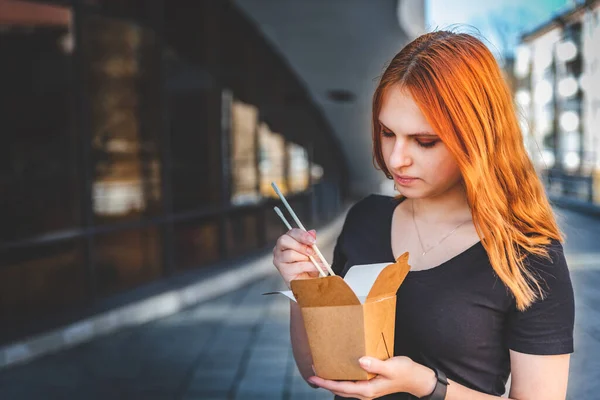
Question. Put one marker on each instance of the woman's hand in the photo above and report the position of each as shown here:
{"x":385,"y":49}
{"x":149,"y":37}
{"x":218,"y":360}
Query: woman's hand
{"x":290,"y":255}
{"x":395,"y":375}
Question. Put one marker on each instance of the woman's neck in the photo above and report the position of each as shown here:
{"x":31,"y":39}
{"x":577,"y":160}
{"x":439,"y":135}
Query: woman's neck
{"x":451,"y":206}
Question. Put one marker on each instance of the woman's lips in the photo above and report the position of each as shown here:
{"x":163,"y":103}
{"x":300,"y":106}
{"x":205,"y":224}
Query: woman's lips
{"x":404,"y":180}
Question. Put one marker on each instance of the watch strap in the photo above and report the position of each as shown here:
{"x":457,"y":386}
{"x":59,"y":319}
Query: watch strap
{"x":441,"y":386}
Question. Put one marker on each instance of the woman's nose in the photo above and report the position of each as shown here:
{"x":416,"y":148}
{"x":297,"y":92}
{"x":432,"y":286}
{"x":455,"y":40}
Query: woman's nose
{"x":400,"y":156}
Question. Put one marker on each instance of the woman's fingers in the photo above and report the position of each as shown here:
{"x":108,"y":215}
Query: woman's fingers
{"x":299,"y":268}
{"x":287,"y":242}
{"x":292,"y":256}
{"x":302,"y":236}
{"x":293,"y":269}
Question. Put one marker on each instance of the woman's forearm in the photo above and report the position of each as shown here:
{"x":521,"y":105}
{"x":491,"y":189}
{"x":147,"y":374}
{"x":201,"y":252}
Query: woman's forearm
{"x":299,"y":340}
{"x":456,"y":391}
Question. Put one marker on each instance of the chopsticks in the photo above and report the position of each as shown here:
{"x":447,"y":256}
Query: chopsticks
{"x":295,"y":217}
{"x":287,"y":224}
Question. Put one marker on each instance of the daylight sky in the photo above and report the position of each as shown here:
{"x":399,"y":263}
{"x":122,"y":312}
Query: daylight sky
{"x":500,"y":22}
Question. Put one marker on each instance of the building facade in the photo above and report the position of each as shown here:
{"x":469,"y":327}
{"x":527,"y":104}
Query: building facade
{"x":139,"y":141}
{"x":558,"y":94}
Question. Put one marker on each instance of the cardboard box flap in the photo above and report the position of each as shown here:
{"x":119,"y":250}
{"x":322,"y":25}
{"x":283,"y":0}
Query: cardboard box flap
{"x":361,"y":278}
{"x":389,"y":279}
{"x":319,"y":292}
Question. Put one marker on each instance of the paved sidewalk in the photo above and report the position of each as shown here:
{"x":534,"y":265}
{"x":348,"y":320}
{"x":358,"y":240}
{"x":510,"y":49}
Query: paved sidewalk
{"x":234,"y":347}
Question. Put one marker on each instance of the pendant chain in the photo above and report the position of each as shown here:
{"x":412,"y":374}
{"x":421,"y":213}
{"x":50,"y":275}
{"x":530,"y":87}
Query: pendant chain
{"x":441,"y":240}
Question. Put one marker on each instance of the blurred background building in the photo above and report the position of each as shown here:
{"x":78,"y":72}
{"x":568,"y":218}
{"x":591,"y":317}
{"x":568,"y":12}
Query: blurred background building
{"x":139,"y":138}
{"x":558,"y":76}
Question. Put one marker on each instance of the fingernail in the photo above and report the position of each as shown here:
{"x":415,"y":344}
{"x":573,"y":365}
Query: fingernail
{"x":310,"y":251}
{"x":311,"y":239}
{"x":311,"y":380}
{"x":365,"y":362}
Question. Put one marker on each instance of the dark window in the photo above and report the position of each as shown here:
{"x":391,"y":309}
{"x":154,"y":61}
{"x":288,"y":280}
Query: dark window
{"x":38,"y":280}
{"x":193,"y":124}
{"x":241,"y":232}
{"x":39,"y":165}
{"x":196,"y":243}
{"x":126,"y":259}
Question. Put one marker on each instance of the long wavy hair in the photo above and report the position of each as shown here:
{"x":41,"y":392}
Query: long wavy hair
{"x":459,"y":87}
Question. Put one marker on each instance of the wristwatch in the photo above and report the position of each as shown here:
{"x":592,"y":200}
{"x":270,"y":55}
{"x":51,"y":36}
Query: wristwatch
{"x":441,"y":385}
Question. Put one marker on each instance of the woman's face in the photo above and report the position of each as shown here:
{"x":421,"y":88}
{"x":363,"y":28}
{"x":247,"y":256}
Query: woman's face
{"x":420,"y":163}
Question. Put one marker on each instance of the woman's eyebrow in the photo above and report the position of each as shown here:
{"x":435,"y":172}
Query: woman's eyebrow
{"x":424,"y":133}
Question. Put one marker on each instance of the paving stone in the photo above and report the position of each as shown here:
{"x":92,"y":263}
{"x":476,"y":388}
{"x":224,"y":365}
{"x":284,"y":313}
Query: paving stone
{"x":206,"y":395}
{"x":268,"y":388}
{"x":215,"y":383}
{"x":311,"y":394}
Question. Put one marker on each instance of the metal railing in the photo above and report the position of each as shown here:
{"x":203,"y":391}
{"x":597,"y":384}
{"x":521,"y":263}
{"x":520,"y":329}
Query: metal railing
{"x":561,"y":183}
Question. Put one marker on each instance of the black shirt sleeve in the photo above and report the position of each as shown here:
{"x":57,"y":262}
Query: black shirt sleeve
{"x":546,"y":327}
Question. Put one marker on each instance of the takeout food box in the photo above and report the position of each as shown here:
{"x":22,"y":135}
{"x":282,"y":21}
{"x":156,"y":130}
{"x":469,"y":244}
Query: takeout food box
{"x":346,"y":319}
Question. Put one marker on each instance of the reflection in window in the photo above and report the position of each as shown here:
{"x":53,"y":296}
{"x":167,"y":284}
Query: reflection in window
{"x":126,"y":259}
{"x":272,"y":161}
{"x":243,"y":153}
{"x":298,"y":168}
{"x":39,"y":167}
{"x":124,"y":121}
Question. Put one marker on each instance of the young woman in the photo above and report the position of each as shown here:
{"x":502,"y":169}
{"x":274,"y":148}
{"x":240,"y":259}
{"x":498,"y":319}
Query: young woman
{"x":489,"y":293}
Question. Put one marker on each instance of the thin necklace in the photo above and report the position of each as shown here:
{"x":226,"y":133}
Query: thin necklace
{"x":441,"y":240}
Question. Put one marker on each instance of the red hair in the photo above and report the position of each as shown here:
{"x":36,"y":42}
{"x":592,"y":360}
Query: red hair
{"x":458,"y":86}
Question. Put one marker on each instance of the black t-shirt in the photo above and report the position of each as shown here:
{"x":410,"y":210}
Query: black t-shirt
{"x":459,"y":315}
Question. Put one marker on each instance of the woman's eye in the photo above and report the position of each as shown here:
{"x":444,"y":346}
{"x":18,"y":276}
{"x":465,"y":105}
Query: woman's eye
{"x":427,"y":143}
{"x":385,"y":133}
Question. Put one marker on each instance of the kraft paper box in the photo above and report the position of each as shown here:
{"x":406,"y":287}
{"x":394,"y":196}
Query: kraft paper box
{"x":346,"y":319}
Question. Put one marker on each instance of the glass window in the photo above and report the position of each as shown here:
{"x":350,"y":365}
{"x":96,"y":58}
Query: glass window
{"x":241,"y":232}
{"x":38,"y":280}
{"x":39,"y":166}
{"x":194,"y":128}
{"x":122,"y":82}
{"x":298,"y":168}
{"x":243,"y":153}
{"x":272,"y":161}
{"x":196,"y":243}
{"x":126,"y":259}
